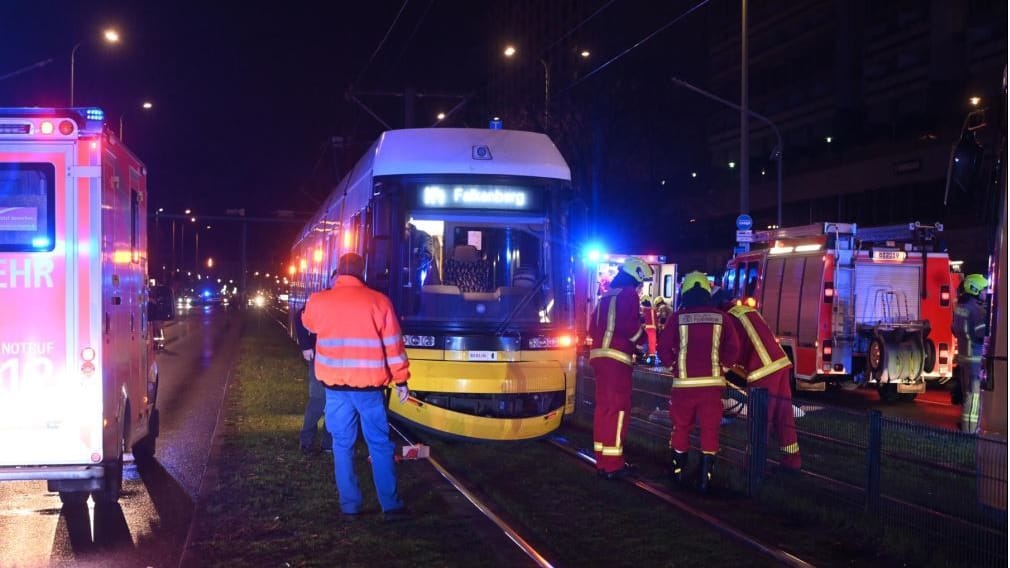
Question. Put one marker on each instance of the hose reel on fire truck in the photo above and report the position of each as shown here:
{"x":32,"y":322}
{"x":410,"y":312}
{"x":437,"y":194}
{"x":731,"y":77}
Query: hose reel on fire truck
{"x":896,"y":355}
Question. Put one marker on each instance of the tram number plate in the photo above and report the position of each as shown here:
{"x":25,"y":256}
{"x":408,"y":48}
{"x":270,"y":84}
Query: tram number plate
{"x":482,"y":355}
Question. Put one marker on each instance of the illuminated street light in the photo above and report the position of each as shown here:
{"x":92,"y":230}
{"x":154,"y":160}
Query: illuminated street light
{"x":509,"y":51}
{"x":110,"y":35}
{"x":694,"y":174}
{"x":827,"y":139}
{"x":585,"y":53}
{"x":975,"y":100}
{"x":732,"y":165}
{"x":210,"y":263}
{"x":188,"y":211}
{"x":441,"y":116}
{"x":146,"y":105}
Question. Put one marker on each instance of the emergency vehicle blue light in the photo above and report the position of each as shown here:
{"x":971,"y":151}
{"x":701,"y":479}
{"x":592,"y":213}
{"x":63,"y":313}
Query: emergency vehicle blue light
{"x":593,"y":253}
{"x":94,"y":114}
{"x":40,"y":242}
{"x":206,"y":293}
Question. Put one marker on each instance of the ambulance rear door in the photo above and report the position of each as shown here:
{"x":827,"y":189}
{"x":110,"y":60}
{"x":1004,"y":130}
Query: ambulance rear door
{"x":50,"y":409}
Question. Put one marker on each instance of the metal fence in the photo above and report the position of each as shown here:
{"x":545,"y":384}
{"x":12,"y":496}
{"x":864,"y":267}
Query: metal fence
{"x":934,"y":495}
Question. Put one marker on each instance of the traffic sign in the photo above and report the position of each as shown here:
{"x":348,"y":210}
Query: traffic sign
{"x":745,"y":236}
{"x":744,"y":222}
{"x":741,"y":248}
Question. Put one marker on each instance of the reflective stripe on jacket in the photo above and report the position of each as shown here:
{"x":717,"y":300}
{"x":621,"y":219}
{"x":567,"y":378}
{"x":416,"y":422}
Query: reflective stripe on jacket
{"x":969,"y":329}
{"x":697,"y":343}
{"x":616,"y":327}
{"x":761,"y":354}
{"x":358,"y":342}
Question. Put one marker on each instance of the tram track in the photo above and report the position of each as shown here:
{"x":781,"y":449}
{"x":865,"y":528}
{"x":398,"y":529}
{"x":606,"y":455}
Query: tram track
{"x":775,"y":553}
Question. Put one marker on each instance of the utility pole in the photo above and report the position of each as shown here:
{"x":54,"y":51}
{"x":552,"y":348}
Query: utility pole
{"x":744,"y":116}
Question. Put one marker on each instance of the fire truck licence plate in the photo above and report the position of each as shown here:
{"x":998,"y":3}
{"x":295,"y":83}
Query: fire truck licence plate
{"x":482,"y":355}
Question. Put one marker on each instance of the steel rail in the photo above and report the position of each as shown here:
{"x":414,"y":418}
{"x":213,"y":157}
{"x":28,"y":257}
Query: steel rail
{"x":775,"y":553}
{"x":511,"y":533}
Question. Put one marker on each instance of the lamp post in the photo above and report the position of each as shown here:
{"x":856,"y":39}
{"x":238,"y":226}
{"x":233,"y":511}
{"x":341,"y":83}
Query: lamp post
{"x":110,"y":36}
{"x":510,"y":52}
{"x":776,"y":153}
{"x":146,"y":105}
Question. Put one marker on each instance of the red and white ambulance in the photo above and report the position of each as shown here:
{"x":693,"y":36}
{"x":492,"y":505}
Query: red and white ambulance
{"x":78,"y":377}
{"x":869,"y":304}
{"x":593,"y":274}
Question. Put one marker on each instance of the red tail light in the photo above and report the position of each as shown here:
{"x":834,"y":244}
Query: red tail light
{"x":829,"y":292}
{"x":944,"y":354}
{"x":826,"y":349}
{"x":944,"y":296}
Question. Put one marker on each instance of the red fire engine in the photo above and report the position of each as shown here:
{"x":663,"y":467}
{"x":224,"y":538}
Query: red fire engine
{"x":78,"y":378}
{"x":871,"y":305}
{"x":593,"y":274}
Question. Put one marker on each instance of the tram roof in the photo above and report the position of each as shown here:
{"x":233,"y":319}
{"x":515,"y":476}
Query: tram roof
{"x":456,"y":151}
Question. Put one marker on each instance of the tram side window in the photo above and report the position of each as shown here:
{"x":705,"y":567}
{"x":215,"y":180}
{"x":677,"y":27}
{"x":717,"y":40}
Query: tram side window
{"x":27,"y":202}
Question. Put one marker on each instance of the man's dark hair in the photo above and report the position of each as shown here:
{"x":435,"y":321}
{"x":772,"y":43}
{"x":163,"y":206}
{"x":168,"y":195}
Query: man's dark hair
{"x":351,"y":264}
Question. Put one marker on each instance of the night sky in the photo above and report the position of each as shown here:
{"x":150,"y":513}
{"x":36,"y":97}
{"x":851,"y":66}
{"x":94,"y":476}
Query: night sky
{"x":247,"y":95}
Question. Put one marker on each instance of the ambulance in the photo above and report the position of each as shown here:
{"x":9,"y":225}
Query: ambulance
{"x":593,"y":274}
{"x":78,"y":377}
{"x":870,"y":305}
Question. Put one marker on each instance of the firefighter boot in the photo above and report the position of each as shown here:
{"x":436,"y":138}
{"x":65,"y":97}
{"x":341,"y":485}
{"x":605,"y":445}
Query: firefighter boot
{"x":678,"y":465}
{"x":707,"y":466}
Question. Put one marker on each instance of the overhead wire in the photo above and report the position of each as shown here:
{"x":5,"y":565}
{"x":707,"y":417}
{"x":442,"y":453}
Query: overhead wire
{"x":661,"y":29}
{"x":381,"y":43}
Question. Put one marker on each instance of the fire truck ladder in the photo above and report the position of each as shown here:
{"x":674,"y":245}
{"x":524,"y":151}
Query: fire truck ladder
{"x":920,"y":236}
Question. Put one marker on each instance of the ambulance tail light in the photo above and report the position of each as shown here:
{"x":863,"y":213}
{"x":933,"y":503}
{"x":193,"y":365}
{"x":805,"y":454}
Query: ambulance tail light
{"x":944,"y":296}
{"x":66,"y":127}
{"x":88,"y":366}
{"x":829,"y":292}
{"x":46,"y":127}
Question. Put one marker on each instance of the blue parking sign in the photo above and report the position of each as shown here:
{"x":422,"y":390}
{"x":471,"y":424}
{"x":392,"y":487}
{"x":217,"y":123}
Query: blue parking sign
{"x":744,"y":222}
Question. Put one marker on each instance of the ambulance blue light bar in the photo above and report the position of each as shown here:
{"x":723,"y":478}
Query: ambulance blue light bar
{"x":94,"y":114}
{"x":41,"y":243}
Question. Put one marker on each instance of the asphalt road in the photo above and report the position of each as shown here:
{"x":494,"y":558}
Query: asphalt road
{"x":149,"y":525}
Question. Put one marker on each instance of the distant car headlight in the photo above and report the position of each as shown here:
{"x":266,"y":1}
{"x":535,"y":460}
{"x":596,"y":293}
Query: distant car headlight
{"x":259,"y":301}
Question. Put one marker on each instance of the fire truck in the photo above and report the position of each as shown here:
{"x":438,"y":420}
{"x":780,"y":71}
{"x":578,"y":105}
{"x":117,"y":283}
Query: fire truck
{"x":593,"y":274}
{"x":78,"y":377}
{"x":870,"y":305}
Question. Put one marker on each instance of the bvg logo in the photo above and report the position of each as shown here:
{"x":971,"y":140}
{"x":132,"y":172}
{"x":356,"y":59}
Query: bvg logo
{"x":481,"y":152}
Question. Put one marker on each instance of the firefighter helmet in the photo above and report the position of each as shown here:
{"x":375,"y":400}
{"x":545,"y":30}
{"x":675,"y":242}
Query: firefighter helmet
{"x":975,"y":284}
{"x":695,"y":279}
{"x":637,"y":269}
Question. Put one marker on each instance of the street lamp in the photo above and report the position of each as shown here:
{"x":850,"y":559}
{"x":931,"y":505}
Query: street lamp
{"x":110,"y":36}
{"x":146,"y":105}
{"x":510,"y":52}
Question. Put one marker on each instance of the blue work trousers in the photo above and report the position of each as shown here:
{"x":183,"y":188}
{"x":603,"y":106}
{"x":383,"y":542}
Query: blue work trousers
{"x":345,"y":410}
{"x":313,"y":412}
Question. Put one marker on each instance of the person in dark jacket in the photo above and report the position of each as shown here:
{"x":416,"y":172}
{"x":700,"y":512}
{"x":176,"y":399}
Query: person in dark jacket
{"x":317,"y":395}
{"x":969,"y":327}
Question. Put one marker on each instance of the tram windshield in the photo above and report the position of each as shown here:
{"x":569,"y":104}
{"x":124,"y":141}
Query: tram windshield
{"x":470,"y":269}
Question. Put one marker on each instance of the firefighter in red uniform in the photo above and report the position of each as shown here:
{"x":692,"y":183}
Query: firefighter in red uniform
{"x":616,"y":332}
{"x":698,"y":342}
{"x":764,"y":364}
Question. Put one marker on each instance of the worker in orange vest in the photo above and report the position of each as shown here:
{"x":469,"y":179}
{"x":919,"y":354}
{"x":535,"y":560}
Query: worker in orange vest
{"x":616,"y":332}
{"x":359,"y":353}
{"x":697,"y":344}
{"x":764,"y":364}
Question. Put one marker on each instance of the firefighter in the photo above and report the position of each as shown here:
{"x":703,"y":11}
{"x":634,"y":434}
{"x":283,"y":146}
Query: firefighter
{"x":764,"y":364}
{"x":663,"y":311}
{"x":616,"y":331}
{"x":698,"y":343}
{"x":648,"y":318}
{"x":969,"y":326}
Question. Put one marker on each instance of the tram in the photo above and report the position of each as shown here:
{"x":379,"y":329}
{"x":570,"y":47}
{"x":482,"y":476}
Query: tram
{"x":466,"y":230}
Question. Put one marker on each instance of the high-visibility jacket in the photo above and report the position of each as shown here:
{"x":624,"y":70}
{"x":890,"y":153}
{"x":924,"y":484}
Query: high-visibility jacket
{"x":616,"y":327}
{"x":969,"y":328}
{"x":697,"y":343}
{"x":760,"y":352}
{"x":358,"y":338}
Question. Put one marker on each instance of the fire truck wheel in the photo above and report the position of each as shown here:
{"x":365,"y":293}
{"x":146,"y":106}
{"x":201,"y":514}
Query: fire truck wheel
{"x":73,"y":497}
{"x":929,"y":359}
{"x":875,"y":357}
{"x":889,"y":393}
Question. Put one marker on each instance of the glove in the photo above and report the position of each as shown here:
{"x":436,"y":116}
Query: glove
{"x":401,"y":392}
{"x":308,"y":354}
